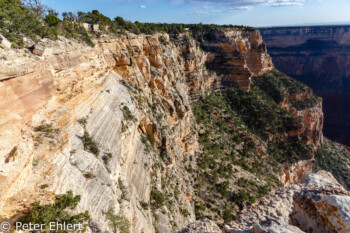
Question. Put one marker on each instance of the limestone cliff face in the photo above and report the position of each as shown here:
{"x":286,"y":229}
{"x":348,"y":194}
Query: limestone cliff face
{"x":237,"y":55}
{"x":118,"y":92}
{"x":131,"y":95}
{"x":319,"y":57}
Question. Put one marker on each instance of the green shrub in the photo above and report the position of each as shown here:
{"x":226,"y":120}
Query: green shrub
{"x":123,"y":188}
{"x":334,"y":158}
{"x":223,"y":188}
{"x":82,"y":121}
{"x":73,"y":30}
{"x":227,"y":215}
{"x":58,"y":212}
{"x":127,"y":114}
{"x":243,"y":197}
{"x":305,"y":103}
{"x":90,"y":144}
{"x":130,"y":51}
{"x":162,"y":40}
{"x":44,"y":130}
{"x":144,"y":205}
{"x":157,"y":199}
{"x":117,"y":222}
{"x":185,"y":213}
{"x":106,"y":157}
{"x":150,"y":137}
{"x":47,"y":129}
{"x":52,"y":20}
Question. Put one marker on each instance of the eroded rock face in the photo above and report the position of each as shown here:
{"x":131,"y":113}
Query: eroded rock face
{"x":319,"y":57}
{"x":318,"y":204}
{"x":131,"y":95}
{"x":203,"y":226}
{"x":119,"y":101}
{"x":312,"y":118}
{"x":237,"y":55}
{"x":297,"y":172}
{"x":325,"y":210}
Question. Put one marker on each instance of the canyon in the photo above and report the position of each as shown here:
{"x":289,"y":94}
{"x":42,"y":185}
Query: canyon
{"x":319,"y":57}
{"x":125,"y":125}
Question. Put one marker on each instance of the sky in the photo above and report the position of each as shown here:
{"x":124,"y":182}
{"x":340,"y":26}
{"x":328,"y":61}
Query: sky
{"x":257,"y":13}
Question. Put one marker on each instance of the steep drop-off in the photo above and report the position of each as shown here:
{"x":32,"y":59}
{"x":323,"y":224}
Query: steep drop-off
{"x":137,"y":122}
{"x":319,"y":57}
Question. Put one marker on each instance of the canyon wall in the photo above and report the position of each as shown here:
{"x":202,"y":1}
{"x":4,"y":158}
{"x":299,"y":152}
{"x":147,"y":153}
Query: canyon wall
{"x":114,"y":122}
{"x":130,"y":97}
{"x":319,"y":57}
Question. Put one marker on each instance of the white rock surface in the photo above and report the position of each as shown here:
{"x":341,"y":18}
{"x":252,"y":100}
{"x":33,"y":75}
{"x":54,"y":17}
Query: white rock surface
{"x":203,"y":226}
{"x":4,"y":43}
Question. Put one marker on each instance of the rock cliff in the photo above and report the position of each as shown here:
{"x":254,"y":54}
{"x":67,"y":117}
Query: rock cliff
{"x":236,"y":55}
{"x":319,"y":57}
{"x":114,"y":122}
{"x":318,"y":204}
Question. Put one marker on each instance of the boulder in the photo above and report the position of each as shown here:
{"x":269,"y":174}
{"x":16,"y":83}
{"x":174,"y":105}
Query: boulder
{"x":318,"y":204}
{"x":202,"y":226}
{"x":4,"y":43}
{"x":28,"y":43}
{"x":283,"y":229}
{"x":41,"y":49}
{"x":324,"y":210}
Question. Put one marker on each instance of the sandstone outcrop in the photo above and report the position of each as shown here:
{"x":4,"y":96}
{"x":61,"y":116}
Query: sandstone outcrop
{"x":318,"y":204}
{"x":312,"y":118}
{"x":131,"y":94}
{"x":236,"y":56}
{"x":68,"y":82}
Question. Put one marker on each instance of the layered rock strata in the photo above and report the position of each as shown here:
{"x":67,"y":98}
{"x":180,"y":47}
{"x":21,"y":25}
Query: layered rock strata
{"x":319,"y":57}
{"x":131,"y":97}
{"x":236,"y":56}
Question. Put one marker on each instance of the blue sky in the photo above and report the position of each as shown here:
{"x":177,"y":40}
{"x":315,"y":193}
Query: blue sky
{"x":239,"y":12}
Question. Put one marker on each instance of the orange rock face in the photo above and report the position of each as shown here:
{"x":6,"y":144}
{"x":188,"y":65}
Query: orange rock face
{"x":236,"y":56}
{"x":312,"y":118}
{"x":133,"y":92}
{"x":297,"y":172}
{"x":321,"y":210}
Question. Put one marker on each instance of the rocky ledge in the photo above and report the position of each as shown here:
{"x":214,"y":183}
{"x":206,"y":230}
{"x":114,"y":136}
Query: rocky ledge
{"x":318,"y":204}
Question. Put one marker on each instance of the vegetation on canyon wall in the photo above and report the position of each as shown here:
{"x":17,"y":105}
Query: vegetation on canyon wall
{"x":57,"y":213}
{"x":243,"y":150}
{"x":334,"y":158}
{"x":244,"y":136}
